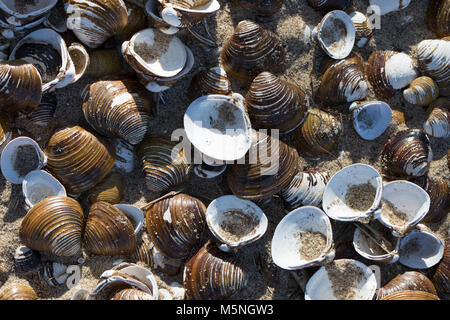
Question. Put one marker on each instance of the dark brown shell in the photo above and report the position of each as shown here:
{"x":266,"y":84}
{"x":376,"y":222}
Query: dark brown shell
{"x":252,"y":50}
{"x":209,"y":81}
{"x":78,"y":159}
{"x":274,"y":103}
{"x":329,"y":5}
{"x":108,"y":231}
{"x":264,"y":177}
{"x":212,"y":275}
{"x":438,"y":17}
{"x":19,"y":292}
{"x":406,"y":154}
{"x":143,"y":252}
{"x":438,"y":191}
{"x":261,"y":7}
{"x":175,"y":224}
{"x":110,"y":189}
{"x":441,"y":276}
{"x":45,"y":112}
{"x":411,"y":280}
{"x":319,"y":133}
{"x":410,"y":295}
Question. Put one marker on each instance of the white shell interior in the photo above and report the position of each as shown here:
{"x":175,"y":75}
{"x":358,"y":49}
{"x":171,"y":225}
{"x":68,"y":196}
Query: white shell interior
{"x":285,"y":242}
{"x":366,"y":249}
{"x":8,"y":158}
{"x":429,"y":250}
{"x":336,"y":48}
{"x":152,"y":11}
{"x":219,"y":127}
{"x":134,"y":214}
{"x":408,"y":198}
{"x":319,"y":286}
{"x":81,"y":64}
{"x":371,"y":119}
{"x":143,"y":275}
{"x":335,"y":191}
{"x":400,"y":70}
{"x":206,"y":171}
{"x":215,"y":216}
{"x":387,"y":6}
{"x":38,"y":185}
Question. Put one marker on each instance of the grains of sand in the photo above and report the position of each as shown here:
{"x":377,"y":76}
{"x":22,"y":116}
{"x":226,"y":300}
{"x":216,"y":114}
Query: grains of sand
{"x":393,"y":214}
{"x":236,"y":225}
{"x":344,"y":278}
{"x":360,"y":196}
{"x":152,"y":53}
{"x":311,"y":243}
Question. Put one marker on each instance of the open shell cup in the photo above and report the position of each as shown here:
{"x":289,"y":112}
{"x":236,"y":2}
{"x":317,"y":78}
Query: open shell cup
{"x":286,"y":243}
{"x":334,"y":196}
{"x":9,"y":154}
{"x":230,"y":210}
{"x":420,"y":249}
{"x":179,"y":16}
{"x":218,"y":126}
{"x":19,"y":13}
{"x":52,"y":274}
{"x":371,"y":119}
{"x":319,"y":286}
{"x":336,"y":34}
{"x":38,"y":185}
{"x":151,"y":10}
{"x":80,"y":59}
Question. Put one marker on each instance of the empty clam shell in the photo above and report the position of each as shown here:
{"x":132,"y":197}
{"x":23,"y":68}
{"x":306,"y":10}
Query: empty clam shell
{"x":218,"y":126}
{"x":252,"y":50}
{"x":184,"y":13}
{"x":305,"y":189}
{"x":110,"y":189}
{"x":441,"y":275}
{"x":336,"y":34}
{"x":438,"y":121}
{"x":38,"y":185}
{"x":353,"y":193}
{"x":26,"y":259}
{"x":95,"y":21}
{"x":318,"y":133}
{"x":371,"y":118}
{"x":118,"y":109}
{"x":235,"y":222}
{"x":420,"y":249}
{"x":422,"y":91}
{"x":108,"y":231}
{"x":19,"y":292}
{"x":20,"y":156}
{"x":21,"y":12}
{"x":78,"y":159}
{"x":164,"y":164}
{"x":410,"y":295}
{"x":329,"y":5}
{"x":438,"y":17}
{"x":302,"y":239}
{"x":386,"y":6}
{"x":21,"y":86}
{"x":407,"y":154}
{"x":438,"y":190}
{"x":342,"y":279}
{"x":212,"y":274}
{"x":210,"y":81}
{"x":54,"y":225}
{"x":272,"y":102}
{"x":410,"y":280}
{"x":363,"y":27}
{"x":175,"y":224}
{"x":80,"y":59}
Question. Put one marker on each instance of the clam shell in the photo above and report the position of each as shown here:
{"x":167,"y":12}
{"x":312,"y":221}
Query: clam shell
{"x":20,"y":12}
{"x":252,"y":50}
{"x":266,"y":175}
{"x":422,"y":91}
{"x":151,"y":9}
{"x":438,"y":121}
{"x":38,"y":185}
{"x":272,"y":103}
{"x":175,"y":224}
{"x":212,"y":275}
{"x":410,"y":280}
{"x":184,"y":13}
{"x":287,"y":239}
{"x":329,"y":5}
{"x":438,"y":190}
{"x":410,"y":295}
{"x":54,"y":225}
{"x":108,"y":231}
{"x":144,"y":251}
{"x":371,"y":118}
{"x":19,"y":292}
{"x":318,"y":133}
{"x":52,"y":274}
{"x":78,"y":159}
{"x":95,"y":21}
{"x":134,"y":214}
{"x":56,"y":18}
{"x":111,"y":189}
{"x":132,"y":294}
{"x":21,"y":86}
{"x":387,"y":6}
{"x":407,"y":154}
{"x":118,"y":109}
{"x":438,"y":17}
{"x":434,"y":61}
{"x":210,"y":81}
{"x":136,"y":20}
{"x":363,"y":27}
{"x":104,"y":62}
{"x":80,"y":59}
{"x":26,"y":259}
{"x":45,"y":112}
{"x":389,"y":71}
{"x":161,"y":170}
{"x":441,"y":275}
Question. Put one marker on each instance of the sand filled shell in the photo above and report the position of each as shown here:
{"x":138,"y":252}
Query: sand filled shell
{"x":54,"y":225}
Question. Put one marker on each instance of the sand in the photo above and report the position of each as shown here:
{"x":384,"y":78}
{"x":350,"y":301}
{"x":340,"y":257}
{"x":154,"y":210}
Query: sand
{"x":400,"y":31}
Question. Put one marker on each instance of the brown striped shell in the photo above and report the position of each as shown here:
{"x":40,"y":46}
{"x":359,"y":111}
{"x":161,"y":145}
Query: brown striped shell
{"x":54,"y":225}
{"x":20,"y":86}
{"x":410,"y":280}
{"x":143,"y":252}
{"x":108,"y":231}
{"x":438,"y":118}
{"x":131,"y":294}
{"x":252,"y":50}
{"x":95,"y":21}
{"x":363,"y":26}
{"x":78,"y":159}
{"x":329,"y":5}
{"x":136,"y":20}
{"x":410,"y":295}
{"x":438,"y":17}
{"x":110,"y":189}
{"x":407,"y":154}
{"x":161,"y":171}
{"x":319,"y":133}
{"x":266,"y":175}
{"x":210,"y":81}
{"x":19,"y":292}
{"x":439,"y":192}
{"x":175,"y":224}
{"x":422,"y":91}
{"x":104,"y":62}
{"x":118,"y":108}
{"x":342,"y":82}
{"x":212,"y":275}
{"x":441,"y":275}
{"x":187,"y":4}
{"x":5,"y":130}
{"x":274,"y":103}
{"x":45,"y":112}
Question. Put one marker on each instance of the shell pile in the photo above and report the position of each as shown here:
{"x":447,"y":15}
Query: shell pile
{"x":166,"y":158}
